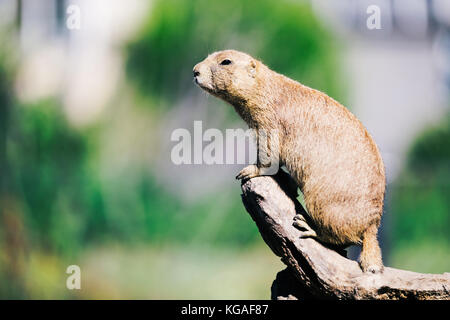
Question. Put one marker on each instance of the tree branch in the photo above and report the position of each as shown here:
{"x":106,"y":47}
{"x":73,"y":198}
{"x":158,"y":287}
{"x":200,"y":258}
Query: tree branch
{"x":314,"y":270}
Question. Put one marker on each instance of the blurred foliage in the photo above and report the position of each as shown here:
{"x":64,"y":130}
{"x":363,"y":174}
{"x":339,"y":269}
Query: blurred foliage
{"x":285,"y":35}
{"x":421,"y":196}
{"x":62,"y":204}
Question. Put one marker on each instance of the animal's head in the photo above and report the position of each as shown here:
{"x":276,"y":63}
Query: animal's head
{"x":227,"y":74}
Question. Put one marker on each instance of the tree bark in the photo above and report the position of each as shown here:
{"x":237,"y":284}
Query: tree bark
{"x":315,"y":271}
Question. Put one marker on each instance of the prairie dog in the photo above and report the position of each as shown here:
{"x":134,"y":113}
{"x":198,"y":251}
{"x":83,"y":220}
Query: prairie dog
{"x":325,"y":148}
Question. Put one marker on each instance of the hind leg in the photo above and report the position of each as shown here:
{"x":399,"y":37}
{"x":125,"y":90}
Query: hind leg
{"x":370,"y":259}
{"x":305,"y":229}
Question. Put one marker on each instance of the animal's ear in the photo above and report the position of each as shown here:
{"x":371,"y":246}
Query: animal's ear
{"x":252,"y":68}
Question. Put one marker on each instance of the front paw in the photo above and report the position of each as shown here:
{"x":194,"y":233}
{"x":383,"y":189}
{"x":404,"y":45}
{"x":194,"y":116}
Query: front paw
{"x":248,"y":172}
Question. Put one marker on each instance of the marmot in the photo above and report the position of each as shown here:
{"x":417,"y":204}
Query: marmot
{"x":325,"y":148}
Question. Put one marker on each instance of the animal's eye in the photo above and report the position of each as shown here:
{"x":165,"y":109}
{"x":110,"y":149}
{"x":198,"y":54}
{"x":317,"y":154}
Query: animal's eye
{"x":225,"y":62}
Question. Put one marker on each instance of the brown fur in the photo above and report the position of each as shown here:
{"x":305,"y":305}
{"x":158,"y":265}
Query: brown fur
{"x":324,"y":146}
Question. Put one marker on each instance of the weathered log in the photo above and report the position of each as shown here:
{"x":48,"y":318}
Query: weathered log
{"x":314,"y":270}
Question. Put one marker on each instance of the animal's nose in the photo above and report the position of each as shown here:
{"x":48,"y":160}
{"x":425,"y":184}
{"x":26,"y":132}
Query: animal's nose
{"x":196,"y":73}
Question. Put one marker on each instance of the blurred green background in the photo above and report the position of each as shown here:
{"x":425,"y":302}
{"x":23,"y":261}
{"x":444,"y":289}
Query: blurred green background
{"x":103,"y":195}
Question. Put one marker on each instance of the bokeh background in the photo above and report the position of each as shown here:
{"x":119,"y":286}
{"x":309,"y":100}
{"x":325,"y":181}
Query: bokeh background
{"x":86,"y":117}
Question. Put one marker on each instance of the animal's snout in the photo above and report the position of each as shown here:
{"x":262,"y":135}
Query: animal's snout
{"x":200,"y":72}
{"x":196,"y":70}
